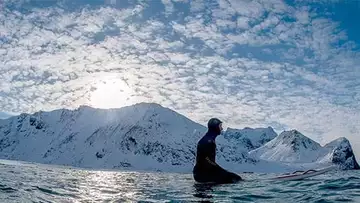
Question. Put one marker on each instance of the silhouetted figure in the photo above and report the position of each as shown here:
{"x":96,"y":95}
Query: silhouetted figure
{"x":206,"y":170}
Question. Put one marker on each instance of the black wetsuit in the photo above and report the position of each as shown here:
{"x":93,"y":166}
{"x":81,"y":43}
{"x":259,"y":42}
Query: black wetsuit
{"x":208,"y":171}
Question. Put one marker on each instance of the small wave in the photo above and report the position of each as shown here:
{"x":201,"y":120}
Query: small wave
{"x":14,"y":172}
{"x":344,"y":200}
{"x":289,"y":191}
{"x":323,"y":201}
{"x":108,"y":191}
{"x":308,"y":184}
{"x":252,"y":197}
{"x":52,"y":192}
{"x":352,"y":178}
{"x":339,"y":186}
{"x":274,"y":190}
{"x":6,"y":189}
{"x":48,"y":191}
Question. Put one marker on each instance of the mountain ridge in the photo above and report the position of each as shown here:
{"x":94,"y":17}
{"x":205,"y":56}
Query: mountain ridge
{"x":295,"y":148}
{"x":141,"y":136}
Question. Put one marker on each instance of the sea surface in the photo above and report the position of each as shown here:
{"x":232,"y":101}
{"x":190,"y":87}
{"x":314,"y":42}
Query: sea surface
{"x":31,"y":182}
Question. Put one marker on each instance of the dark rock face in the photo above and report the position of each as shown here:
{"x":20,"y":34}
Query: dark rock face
{"x":343,"y":156}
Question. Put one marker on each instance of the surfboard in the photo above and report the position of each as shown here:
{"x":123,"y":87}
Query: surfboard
{"x":299,"y":175}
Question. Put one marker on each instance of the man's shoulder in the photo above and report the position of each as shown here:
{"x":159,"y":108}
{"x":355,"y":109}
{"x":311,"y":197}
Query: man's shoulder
{"x":206,"y":140}
{"x":211,"y":141}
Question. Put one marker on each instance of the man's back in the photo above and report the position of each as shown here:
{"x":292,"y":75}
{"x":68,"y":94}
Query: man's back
{"x":206,"y":147}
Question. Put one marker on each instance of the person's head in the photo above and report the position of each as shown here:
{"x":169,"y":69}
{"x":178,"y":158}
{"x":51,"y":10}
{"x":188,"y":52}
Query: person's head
{"x":215,"y":125}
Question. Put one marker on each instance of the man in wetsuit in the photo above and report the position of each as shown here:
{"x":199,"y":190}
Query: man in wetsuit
{"x":206,"y":169}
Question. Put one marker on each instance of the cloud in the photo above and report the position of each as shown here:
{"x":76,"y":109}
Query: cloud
{"x":242,"y":22}
{"x":169,"y":7}
{"x":197,"y":6}
{"x":251,"y":63}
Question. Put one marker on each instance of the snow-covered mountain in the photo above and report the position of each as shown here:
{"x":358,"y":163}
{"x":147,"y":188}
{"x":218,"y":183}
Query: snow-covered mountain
{"x":250,"y":138}
{"x":131,"y":136}
{"x":340,"y":152}
{"x":294,"y":148}
{"x":144,"y":137}
{"x":289,"y":146}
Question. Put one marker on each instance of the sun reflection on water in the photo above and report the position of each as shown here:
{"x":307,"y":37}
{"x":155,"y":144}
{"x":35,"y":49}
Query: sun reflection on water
{"x":109,"y":185}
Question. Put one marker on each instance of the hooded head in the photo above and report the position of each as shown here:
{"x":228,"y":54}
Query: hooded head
{"x":215,"y":126}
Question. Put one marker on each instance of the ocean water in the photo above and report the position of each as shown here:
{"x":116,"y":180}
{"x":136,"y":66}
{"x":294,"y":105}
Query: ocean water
{"x":29,"y":182}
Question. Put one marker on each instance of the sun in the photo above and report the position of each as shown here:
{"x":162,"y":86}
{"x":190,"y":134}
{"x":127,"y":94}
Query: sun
{"x":110,"y":93}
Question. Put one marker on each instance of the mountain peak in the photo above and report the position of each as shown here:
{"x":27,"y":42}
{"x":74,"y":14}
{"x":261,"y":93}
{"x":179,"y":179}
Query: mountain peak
{"x":289,"y":146}
{"x":294,"y":147}
{"x":339,"y":141}
{"x":297,"y":140}
{"x":291,"y":133}
{"x":342,"y":153}
{"x":250,"y":138}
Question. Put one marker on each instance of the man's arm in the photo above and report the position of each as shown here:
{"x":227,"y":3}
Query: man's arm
{"x":234,"y":176}
{"x":210,"y":150}
{"x":211,"y":162}
{"x":214,"y":164}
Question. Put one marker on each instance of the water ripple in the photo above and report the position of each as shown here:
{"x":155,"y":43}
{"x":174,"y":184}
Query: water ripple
{"x":6,"y":189}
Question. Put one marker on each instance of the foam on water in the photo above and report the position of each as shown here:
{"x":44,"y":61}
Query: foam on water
{"x":26,"y":182}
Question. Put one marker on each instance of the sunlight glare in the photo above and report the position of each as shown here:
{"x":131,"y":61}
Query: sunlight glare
{"x":111,"y":93}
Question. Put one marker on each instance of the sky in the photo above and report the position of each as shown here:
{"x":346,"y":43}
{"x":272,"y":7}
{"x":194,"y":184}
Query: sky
{"x":285,"y":64}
